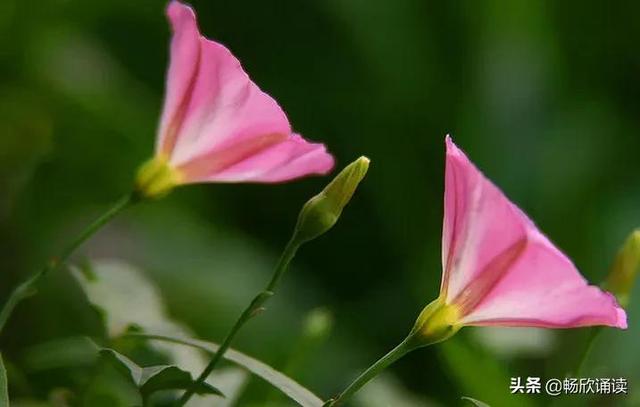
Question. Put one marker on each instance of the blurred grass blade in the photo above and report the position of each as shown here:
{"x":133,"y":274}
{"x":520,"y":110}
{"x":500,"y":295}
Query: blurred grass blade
{"x":155,"y":378}
{"x":4,"y":387}
{"x":60,"y":353}
{"x":388,"y":390}
{"x":475,"y":402}
{"x":479,"y":373}
{"x":316,"y":328}
{"x":288,"y":386}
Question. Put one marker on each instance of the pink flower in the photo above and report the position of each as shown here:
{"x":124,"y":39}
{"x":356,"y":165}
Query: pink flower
{"x":500,"y":270}
{"x":217,"y":125}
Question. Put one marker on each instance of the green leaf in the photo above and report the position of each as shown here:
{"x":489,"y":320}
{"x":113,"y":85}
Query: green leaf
{"x":155,"y":378}
{"x":475,"y":402}
{"x":4,"y":388}
{"x":82,"y":352}
{"x":125,"y":365}
{"x":126,"y":299}
{"x":285,"y":384}
{"x":123,"y":296}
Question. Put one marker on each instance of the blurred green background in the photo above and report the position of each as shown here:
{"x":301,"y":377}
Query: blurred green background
{"x":544,"y":96}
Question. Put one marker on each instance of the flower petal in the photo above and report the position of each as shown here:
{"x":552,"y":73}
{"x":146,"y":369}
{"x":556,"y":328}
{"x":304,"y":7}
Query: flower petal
{"x":499,"y":269}
{"x":281,"y":161}
{"x":481,"y":228}
{"x":211,"y":103}
{"x":185,"y":54}
{"x":544,"y":289}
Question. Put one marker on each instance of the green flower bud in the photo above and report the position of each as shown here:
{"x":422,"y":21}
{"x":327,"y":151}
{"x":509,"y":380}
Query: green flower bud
{"x":322,"y":211}
{"x":625,"y":266}
{"x":437,"y":322}
{"x":156,"y":178}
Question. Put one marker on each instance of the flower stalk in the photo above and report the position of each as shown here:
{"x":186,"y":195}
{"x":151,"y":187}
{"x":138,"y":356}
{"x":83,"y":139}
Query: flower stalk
{"x":28,"y":287}
{"x":317,"y":216}
{"x":436,"y":323}
{"x":374,"y":370}
{"x":507,"y":276}
{"x":254,"y":307}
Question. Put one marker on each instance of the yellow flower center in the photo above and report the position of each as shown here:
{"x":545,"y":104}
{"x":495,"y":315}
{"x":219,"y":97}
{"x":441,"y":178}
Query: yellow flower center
{"x":437,"y":321}
{"x":156,"y":178}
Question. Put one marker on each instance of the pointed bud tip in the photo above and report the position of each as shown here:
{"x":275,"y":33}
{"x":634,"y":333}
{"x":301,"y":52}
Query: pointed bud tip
{"x":364,"y":160}
{"x":322,"y":211}
{"x":623,"y":271}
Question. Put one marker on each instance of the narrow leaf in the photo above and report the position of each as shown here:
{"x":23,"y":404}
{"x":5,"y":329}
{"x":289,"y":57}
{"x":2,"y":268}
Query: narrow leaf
{"x":475,"y":402}
{"x":155,"y":378}
{"x":285,"y":384}
{"x":467,"y":361}
{"x":60,"y":353}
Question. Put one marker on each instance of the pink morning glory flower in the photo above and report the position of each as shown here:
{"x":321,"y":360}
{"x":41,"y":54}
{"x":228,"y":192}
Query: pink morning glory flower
{"x":219,"y":126}
{"x":500,"y":270}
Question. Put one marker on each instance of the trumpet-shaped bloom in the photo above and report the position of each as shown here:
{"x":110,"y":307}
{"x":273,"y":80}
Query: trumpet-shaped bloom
{"x":217,"y":125}
{"x":499,"y":269}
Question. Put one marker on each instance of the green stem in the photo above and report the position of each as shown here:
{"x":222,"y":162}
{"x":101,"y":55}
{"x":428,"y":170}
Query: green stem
{"x":396,"y":353}
{"x":27,"y":288}
{"x":252,"y":309}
